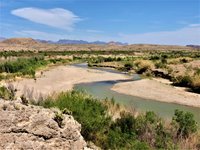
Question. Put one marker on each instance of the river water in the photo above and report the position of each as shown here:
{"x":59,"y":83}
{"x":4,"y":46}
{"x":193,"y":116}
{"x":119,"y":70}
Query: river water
{"x":103,"y":90}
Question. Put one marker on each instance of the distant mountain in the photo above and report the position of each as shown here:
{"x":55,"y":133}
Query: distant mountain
{"x":194,"y":46}
{"x":61,"y":41}
{"x":45,"y":41}
{"x":66,"y":41}
{"x":2,"y":38}
{"x":116,"y":43}
{"x":98,"y":43}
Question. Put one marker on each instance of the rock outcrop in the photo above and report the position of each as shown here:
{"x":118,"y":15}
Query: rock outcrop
{"x":34,"y":127}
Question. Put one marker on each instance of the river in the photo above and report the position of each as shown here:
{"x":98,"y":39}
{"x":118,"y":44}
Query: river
{"x":103,"y":90}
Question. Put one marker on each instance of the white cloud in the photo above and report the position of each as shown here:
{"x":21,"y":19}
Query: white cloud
{"x":57,"y":17}
{"x":183,"y":36}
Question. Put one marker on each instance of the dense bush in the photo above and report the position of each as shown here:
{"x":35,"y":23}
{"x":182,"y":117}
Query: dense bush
{"x":146,"y":131}
{"x":25,"y":66}
{"x":88,"y":111}
{"x":185,"y":123}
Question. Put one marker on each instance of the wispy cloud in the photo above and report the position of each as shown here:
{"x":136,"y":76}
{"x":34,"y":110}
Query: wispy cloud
{"x":56,"y":17}
{"x":183,"y":36}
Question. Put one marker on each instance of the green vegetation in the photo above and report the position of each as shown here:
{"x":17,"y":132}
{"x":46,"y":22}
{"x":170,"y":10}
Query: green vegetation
{"x":181,"y":67}
{"x":145,"y":131}
{"x":191,"y":81}
{"x":59,"y":118}
{"x":26,"y":66}
{"x":6,"y":93}
{"x":128,"y":66}
{"x":185,"y":123}
{"x":149,"y":63}
{"x":23,"y":66}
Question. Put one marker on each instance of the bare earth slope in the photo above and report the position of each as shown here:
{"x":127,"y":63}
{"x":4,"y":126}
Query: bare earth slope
{"x":28,"y":44}
{"x":155,"y":90}
{"x":32,"y":127}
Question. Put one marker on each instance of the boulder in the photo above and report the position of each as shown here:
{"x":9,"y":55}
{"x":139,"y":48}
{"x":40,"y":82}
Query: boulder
{"x":34,"y":127}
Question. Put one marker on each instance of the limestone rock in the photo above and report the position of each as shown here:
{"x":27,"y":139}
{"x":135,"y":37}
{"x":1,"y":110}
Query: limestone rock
{"x":34,"y":127}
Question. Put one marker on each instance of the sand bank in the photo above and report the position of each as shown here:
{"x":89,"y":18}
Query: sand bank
{"x":62,"y":78}
{"x":155,"y":90}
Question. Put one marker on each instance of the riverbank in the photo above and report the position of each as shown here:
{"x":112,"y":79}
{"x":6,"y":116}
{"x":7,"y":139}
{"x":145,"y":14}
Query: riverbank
{"x":155,"y":90}
{"x":61,"y":78}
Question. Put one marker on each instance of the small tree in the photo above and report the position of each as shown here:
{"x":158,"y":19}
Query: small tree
{"x":185,"y":123}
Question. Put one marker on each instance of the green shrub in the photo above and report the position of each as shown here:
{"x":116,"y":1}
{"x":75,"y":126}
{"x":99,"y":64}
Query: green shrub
{"x":128,"y":66}
{"x":143,"y":66}
{"x":197,"y":71}
{"x":163,"y":138}
{"x":6,"y":94}
{"x":59,"y":119}
{"x":160,"y":65}
{"x":146,"y":131}
{"x":26,"y":66}
{"x":86,"y":110}
{"x":185,"y":123}
{"x":182,"y":81}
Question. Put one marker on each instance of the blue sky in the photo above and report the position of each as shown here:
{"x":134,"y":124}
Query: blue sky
{"x":174,"y":22}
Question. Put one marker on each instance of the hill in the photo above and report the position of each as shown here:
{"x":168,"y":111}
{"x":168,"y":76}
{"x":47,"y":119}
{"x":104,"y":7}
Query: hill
{"x":21,"y":41}
{"x":18,"y":44}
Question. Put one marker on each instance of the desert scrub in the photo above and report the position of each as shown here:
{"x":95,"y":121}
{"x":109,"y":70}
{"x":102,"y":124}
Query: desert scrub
{"x":143,"y":66}
{"x":128,"y":66}
{"x":144,"y":131}
{"x":190,"y":81}
{"x":88,"y":111}
{"x":6,"y":94}
{"x":59,"y":119}
{"x":195,"y":85}
{"x":184,"y":81}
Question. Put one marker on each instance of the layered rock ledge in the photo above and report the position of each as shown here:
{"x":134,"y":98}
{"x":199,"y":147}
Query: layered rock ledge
{"x":34,"y":127}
